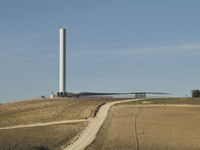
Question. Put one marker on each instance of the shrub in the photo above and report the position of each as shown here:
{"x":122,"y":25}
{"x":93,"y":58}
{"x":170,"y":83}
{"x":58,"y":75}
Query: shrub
{"x":41,"y":147}
{"x":58,"y":94}
{"x":195,"y":93}
{"x":61,"y":94}
{"x":65,"y":94}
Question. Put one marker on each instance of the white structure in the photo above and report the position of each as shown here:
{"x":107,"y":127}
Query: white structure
{"x":52,"y":96}
{"x":62,"y":60}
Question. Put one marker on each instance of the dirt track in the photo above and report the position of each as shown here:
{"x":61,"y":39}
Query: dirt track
{"x":25,"y":106}
{"x":93,"y":127}
{"x":24,"y":121}
{"x":133,"y":127}
{"x":42,"y":124}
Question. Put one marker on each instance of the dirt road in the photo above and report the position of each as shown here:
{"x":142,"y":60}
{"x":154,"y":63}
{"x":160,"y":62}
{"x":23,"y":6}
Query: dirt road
{"x":93,"y":127}
{"x":42,"y":124}
{"x":90,"y":131}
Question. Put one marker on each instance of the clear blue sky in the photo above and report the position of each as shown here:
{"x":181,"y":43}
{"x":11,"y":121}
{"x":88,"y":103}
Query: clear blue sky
{"x":112,"y":46}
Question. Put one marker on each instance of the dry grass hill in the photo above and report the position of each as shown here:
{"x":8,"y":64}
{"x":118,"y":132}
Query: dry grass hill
{"x":41,"y":111}
{"x":165,"y":123}
{"x":149,"y":126}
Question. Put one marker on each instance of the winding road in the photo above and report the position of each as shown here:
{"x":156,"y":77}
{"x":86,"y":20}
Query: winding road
{"x":88,"y":134}
{"x":93,"y":127}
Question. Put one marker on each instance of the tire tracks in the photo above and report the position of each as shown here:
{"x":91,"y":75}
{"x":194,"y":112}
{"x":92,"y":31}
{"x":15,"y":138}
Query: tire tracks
{"x":136,"y":136}
{"x":110,"y":120}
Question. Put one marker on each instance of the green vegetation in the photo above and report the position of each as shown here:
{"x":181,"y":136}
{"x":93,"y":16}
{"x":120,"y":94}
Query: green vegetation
{"x":195,"y":93}
{"x":61,"y":94}
{"x":97,"y":109}
{"x":65,"y":94}
{"x":190,"y":101}
{"x":58,"y":94}
{"x":41,"y":147}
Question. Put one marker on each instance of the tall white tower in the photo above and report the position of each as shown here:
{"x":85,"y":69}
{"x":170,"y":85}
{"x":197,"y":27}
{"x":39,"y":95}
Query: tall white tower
{"x":62,"y":60}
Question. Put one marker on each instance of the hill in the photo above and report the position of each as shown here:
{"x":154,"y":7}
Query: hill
{"x":148,"y":124}
{"x":41,"y":111}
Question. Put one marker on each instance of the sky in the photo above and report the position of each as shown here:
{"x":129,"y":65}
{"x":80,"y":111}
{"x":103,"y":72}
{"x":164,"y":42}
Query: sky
{"x":112,"y":46}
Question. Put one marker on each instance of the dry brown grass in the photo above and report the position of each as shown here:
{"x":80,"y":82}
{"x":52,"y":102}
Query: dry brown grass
{"x":47,"y":110}
{"x":54,"y":136}
{"x":41,"y":111}
{"x":150,"y":127}
{"x":172,"y":100}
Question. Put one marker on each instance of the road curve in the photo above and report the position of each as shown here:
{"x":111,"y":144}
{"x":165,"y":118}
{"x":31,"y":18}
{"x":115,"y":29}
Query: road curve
{"x":93,"y":127}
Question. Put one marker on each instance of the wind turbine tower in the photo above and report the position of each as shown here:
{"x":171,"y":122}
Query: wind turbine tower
{"x":62,"y":60}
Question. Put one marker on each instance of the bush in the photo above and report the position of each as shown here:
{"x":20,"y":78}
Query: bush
{"x":58,"y":94}
{"x":61,"y":94}
{"x":65,"y":94}
{"x":195,"y":93}
{"x":41,"y":147}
